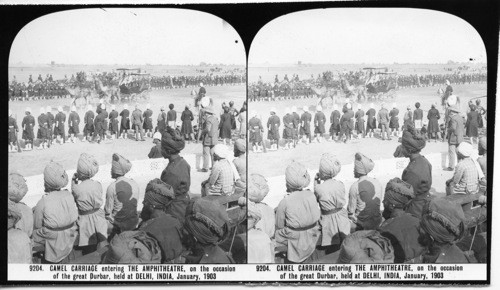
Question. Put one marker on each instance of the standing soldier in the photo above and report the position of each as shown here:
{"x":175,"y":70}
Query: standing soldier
{"x":408,"y":118}
{"x":162,"y":121}
{"x":50,"y":122}
{"x":288,"y":128}
{"x":394,"y":121}
{"x":319,"y":123}
{"x":88,"y":121}
{"x":113,"y":122}
{"x":60,"y":119}
{"x":346,"y":122}
{"x":335,"y":123}
{"x":171,"y":116}
{"x":42,"y":129}
{"x":305,"y":125}
{"x":28,"y":124}
{"x":74,"y":124}
{"x":99,"y":107}
{"x":210,"y":134}
{"x":255,"y":135}
{"x":125,"y":122}
{"x":296,"y":124}
{"x":148,"y":121}
{"x":371,"y":122}
{"x":360,"y":122}
{"x":137,"y":121}
{"x":100,"y":124}
{"x":13,"y":129}
{"x":418,"y":116}
{"x":273,"y":129}
{"x":187,"y":126}
{"x":383,"y":119}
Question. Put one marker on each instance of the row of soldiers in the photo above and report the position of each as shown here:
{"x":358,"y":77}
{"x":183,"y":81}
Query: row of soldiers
{"x":358,"y":123}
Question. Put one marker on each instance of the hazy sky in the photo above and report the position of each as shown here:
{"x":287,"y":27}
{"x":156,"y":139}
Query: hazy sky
{"x":128,"y":36}
{"x":366,"y":36}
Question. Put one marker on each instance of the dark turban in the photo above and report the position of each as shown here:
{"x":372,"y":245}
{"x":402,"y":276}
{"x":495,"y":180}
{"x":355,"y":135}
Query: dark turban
{"x":240,"y":145}
{"x":13,"y":215}
{"x":398,"y":192}
{"x":362,"y":164}
{"x":54,"y":177}
{"x":159,"y":194}
{"x":297,"y":177}
{"x":171,"y":142}
{"x":17,"y":187}
{"x":329,"y":166}
{"x":412,"y":141}
{"x":366,"y":247}
{"x":443,"y":220}
{"x":257,"y":188}
{"x":207,"y":221}
{"x":400,"y":152}
{"x":166,"y":230}
{"x":120,"y":165}
{"x":87,"y":166}
{"x":133,"y":247}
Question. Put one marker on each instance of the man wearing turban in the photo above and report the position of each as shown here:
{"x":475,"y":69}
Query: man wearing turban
{"x":137,"y":120}
{"x":260,"y":249}
{"x":240,"y":162}
{"x":155,"y":151}
{"x":92,"y":225}
{"x":121,"y":197}
{"x":157,"y":200}
{"x":364,"y":196}
{"x":178,"y":172}
{"x":273,"y":130}
{"x":305,"y":125}
{"x":418,"y":173}
{"x":366,"y":247}
{"x":442,"y":224}
{"x":210,"y":135}
{"x":288,"y":128}
{"x":455,"y":133}
{"x":346,"y":123}
{"x":398,"y":194}
{"x":371,"y":121}
{"x":18,"y":242}
{"x":257,"y":191}
{"x":330,"y":194}
{"x":319,"y":123}
{"x":466,"y":177}
{"x":133,"y":247}
{"x":17,"y":189}
{"x":383,"y":120}
{"x":394,"y":121}
{"x":221,"y":179}
{"x":297,"y":216}
{"x":207,"y":223}
{"x":55,"y":216}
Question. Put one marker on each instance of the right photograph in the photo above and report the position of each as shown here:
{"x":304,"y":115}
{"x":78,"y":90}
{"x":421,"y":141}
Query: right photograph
{"x":367,"y":139}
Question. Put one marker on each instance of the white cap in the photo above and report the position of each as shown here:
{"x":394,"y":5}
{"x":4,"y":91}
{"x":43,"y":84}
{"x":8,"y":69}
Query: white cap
{"x":49,"y":109}
{"x":148,"y":105}
{"x":394,"y":105}
{"x":125,"y":107}
{"x":42,"y":110}
{"x":349,"y":106}
{"x":452,"y":100}
{"x":89,"y":107}
{"x":294,"y":109}
{"x":221,"y":151}
{"x":305,"y":108}
{"x":319,"y":108}
{"x":73,"y":108}
{"x":113,"y":107}
{"x":60,"y":109}
{"x":103,"y":107}
{"x":287,"y":110}
{"x":273,"y":109}
{"x":157,"y":135}
{"x":335,"y":107}
{"x":28,"y":109}
{"x":205,"y":102}
{"x":201,"y":84}
{"x":372,"y":106}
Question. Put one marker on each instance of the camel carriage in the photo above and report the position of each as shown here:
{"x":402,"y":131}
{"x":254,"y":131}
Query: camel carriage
{"x":134,"y":86}
{"x":380,"y":84}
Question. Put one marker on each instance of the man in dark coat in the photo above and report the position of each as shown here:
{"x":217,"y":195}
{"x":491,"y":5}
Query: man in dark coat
{"x":28,"y":124}
{"x":73,"y":124}
{"x":113,"y":122}
{"x":13,"y":130}
{"x":346,"y":123}
{"x":418,"y":116}
{"x":148,"y":121}
{"x":433,"y":117}
{"x":42,"y":129}
{"x":296,"y":122}
{"x":50,"y":122}
{"x":88,"y":120}
{"x":101,"y":124}
{"x":319,"y":123}
{"x":394,"y":121}
{"x":137,"y":121}
{"x":59,"y":131}
{"x":305,"y":125}
{"x":472,"y":125}
{"x":371,"y":122}
{"x":210,"y":134}
{"x":273,"y":132}
{"x":418,"y":173}
{"x":125,"y":122}
{"x":360,"y":122}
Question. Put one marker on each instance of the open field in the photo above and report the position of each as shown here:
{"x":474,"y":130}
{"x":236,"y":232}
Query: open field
{"x":29,"y":163}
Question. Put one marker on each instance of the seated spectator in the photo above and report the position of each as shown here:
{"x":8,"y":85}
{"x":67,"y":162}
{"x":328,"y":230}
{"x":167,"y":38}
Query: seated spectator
{"x":260,"y":249}
{"x":18,"y":242}
{"x":133,"y":247}
{"x":466,"y":177}
{"x":221,"y":180}
{"x":330,"y":194}
{"x":257,"y":191}
{"x":55,"y":216}
{"x":366,"y":247}
{"x":297,"y":216}
{"x":364,"y":196}
{"x":167,"y":230}
{"x":157,"y":200}
{"x":17,"y":189}
{"x":397,"y":196}
{"x":92,"y":225}
{"x":156,"y":150}
{"x":240,"y":162}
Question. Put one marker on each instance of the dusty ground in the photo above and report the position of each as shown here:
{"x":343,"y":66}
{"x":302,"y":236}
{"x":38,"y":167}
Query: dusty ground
{"x":33,"y":162}
{"x":274,"y":163}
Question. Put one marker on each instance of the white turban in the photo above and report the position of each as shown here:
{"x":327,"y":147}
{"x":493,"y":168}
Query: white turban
{"x":73,"y":108}
{"x":273,"y":109}
{"x":60,"y":109}
{"x":49,"y":109}
{"x":452,"y":100}
{"x":294,"y":109}
{"x":42,"y":110}
{"x":465,"y":149}
{"x":348,"y":105}
{"x":205,"y":102}
{"x":221,"y":151}
{"x":318,"y":108}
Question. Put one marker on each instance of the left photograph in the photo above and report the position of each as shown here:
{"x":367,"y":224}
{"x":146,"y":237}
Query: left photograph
{"x":127,"y":139}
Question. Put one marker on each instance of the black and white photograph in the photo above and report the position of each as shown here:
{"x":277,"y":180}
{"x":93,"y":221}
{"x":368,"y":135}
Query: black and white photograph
{"x":127,"y":141}
{"x":367,"y":139}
